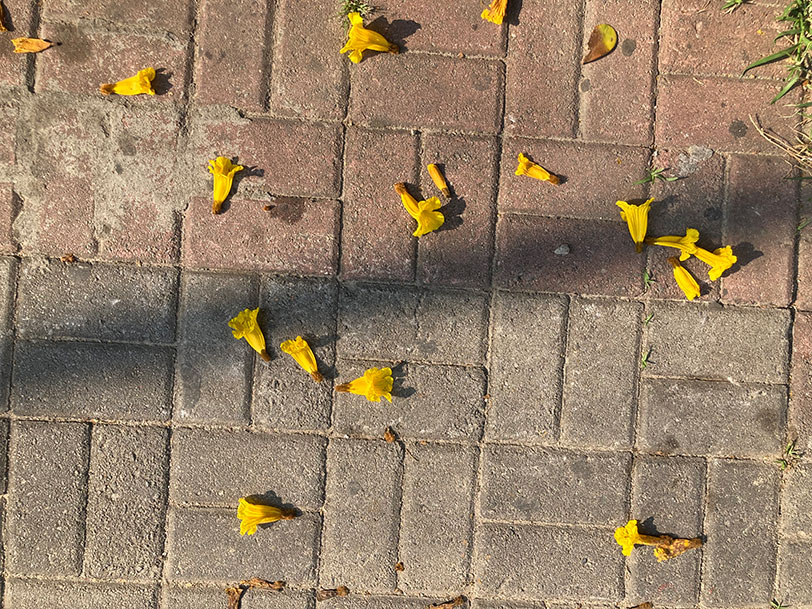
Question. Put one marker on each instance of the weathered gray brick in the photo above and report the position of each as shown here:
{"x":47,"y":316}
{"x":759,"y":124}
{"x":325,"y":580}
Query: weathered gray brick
{"x":796,"y":515}
{"x":795,"y":573}
{"x":177,"y":597}
{"x":361,"y":515}
{"x":4,"y":431}
{"x":740,"y":552}
{"x":92,"y":380}
{"x":126,"y":508}
{"x":213,"y":382}
{"x":554,"y":486}
{"x":182,"y":597}
{"x":428,"y":402}
{"x":43,"y":594}
{"x":437,"y":517}
{"x":709,"y":341}
{"x":357,"y":601}
{"x":600,"y":380}
{"x":8,"y":268}
{"x":526,"y":367}
{"x":47,"y":488}
{"x":218,"y":467}
{"x":486,"y":604}
{"x":711,"y":418}
{"x":265,"y":599}
{"x":96,"y":301}
{"x":394,"y":323}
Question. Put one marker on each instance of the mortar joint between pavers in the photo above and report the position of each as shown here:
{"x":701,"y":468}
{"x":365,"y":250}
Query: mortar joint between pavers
{"x":84,"y":510}
{"x":270,"y":44}
{"x":578,"y":69}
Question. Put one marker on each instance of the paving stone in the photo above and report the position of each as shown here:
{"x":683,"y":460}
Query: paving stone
{"x":4,"y":436}
{"x":205,"y":545}
{"x":529,"y":562}
{"x":8,"y":134}
{"x":803,"y":296}
{"x":437,"y":526}
{"x":580,"y":195}
{"x":266,"y":599}
{"x":460,"y":252}
{"x":361,"y":515}
{"x":600,"y":377}
{"x":370,"y":249}
{"x":463,"y":94}
{"x":616,"y":93}
{"x":232,"y":63}
{"x":708,"y":341}
{"x":219,"y":467}
{"x":745,"y":421}
{"x":159,"y":15}
{"x":90,"y":380}
{"x":127,"y":495}
{"x":47,"y":484}
{"x":740,"y":550}
{"x":285,"y":397}
{"x":182,"y":597}
{"x":794,"y":567}
{"x":532,"y":484}
{"x":391,"y":324}
{"x":601,"y":258}
{"x":8,"y":276}
{"x":800,"y":400}
{"x":96,"y":301}
{"x":8,"y":204}
{"x":428,"y":402}
{"x":486,"y":604}
{"x":296,"y":236}
{"x":355,"y":601}
{"x":527,"y":360}
{"x":50,"y":594}
{"x":18,"y":20}
{"x":796,"y":519}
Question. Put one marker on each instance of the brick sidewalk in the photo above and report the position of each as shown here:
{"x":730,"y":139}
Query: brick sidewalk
{"x":134,"y":421}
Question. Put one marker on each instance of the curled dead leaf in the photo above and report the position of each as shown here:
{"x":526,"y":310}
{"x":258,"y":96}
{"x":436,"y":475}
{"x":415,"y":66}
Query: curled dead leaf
{"x":30,"y":45}
{"x":389,"y":435}
{"x":399,"y":567}
{"x":325,"y":593}
{"x":601,"y":42}
{"x":2,"y":18}
{"x":676,"y":547}
{"x":234,"y":595}
{"x":263,"y":584}
{"x":68,"y":258}
{"x":645,"y":605}
{"x":454,"y":602}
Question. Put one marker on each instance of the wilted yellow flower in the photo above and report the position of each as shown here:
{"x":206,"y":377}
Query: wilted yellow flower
{"x":531,"y":169}
{"x":439,"y":180}
{"x":636,"y":216}
{"x":686,"y":244}
{"x":375,"y":384}
{"x":300,"y":351}
{"x":628,"y":536}
{"x":495,"y":13}
{"x":135,"y":85}
{"x":361,"y":39}
{"x":719,"y":260}
{"x":425,"y":212}
{"x":223,"y":170}
{"x":685,"y":280}
{"x":30,"y":45}
{"x":245,"y":326}
{"x":251,"y":514}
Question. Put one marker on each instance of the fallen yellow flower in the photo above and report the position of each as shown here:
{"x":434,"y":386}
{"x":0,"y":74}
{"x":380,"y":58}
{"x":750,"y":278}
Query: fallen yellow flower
{"x":300,"y":351}
{"x":636,"y":216}
{"x":719,"y":260}
{"x":223,"y":170}
{"x":425,"y":212}
{"x":30,"y":45}
{"x":686,"y":244}
{"x":375,"y":384}
{"x":135,"y":85}
{"x":685,"y":280}
{"x":251,"y":514}
{"x":361,"y":39}
{"x":439,"y":180}
{"x":531,"y":169}
{"x":245,"y":326}
{"x":495,"y":13}
{"x":665,"y":547}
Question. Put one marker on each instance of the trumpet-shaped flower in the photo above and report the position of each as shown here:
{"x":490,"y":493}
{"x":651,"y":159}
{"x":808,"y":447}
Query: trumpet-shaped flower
{"x":29,"y":45}
{"x":375,"y":384}
{"x":223,"y":170}
{"x":245,"y":326}
{"x":425,"y":212}
{"x":686,"y":244}
{"x":300,"y":351}
{"x":529,"y":168}
{"x":252,"y":513}
{"x":636,"y":216}
{"x":439,"y":180}
{"x":719,"y":260}
{"x":361,"y":39}
{"x":495,"y":13}
{"x":685,"y":280}
{"x":135,"y":85}
{"x":628,"y":536}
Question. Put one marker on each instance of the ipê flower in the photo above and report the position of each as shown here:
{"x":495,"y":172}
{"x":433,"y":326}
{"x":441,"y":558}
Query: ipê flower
{"x":300,"y":351}
{"x":719,"y":260}
{"x":375,"y":384}
{"x":252,"y":513}
{"x":361,"y":39}
{"x":223,"y":170}
{"x":245,"y":326}
{"x":495,"y":13}
{"x":135,"y":85}
{"x":686,"y":244}
{"x":636,"y":216}
{"x":439,"y":180}
{"x":30,"y":45}
{"x":529,"y":168}
{"x":685,"y":280}
{"x":425,"y":212}
{"x":665,"y":547}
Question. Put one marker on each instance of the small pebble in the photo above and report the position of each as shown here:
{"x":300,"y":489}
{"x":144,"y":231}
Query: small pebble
{"x":562,"y":250}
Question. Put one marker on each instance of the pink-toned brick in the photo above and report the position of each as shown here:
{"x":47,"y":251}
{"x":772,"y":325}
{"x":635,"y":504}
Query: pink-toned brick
{"x":800,"y":402}
{"x":600,"y":259}
{"x":803,"y":298}
{"x":160,"y":15}
{"x":296,"y":236}
{"x":18,"y":21}
{"x":594,"y":177}
{"x":617,"y":91}
{"x":376,"y":236}
{"x":761,"y":225}
{"x":7,"y":244}
{"x":8,"y":131}
{"x":460,"y":252}
{"x":231,"y":60}
{"x":427,"y":91}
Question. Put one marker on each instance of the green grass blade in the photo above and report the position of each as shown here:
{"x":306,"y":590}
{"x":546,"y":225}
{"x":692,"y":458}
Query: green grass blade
{"x":787,"y":88}
{"x":783,"y":54}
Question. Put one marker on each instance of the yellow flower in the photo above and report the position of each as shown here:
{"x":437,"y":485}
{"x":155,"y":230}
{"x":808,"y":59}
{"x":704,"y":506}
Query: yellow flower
{"x":29,"y":45}
{"x":628,"y":536}
{"x":223,"y":170}
{"x":375,"y":384}
{"x":251,"y":514}
{"x":495,"y":12}
{"x":529,"y":168}
{"x":636,"y":216}
{"x":300,"y":351}
{"x":245,"y":326}
{"x":686,"y":244}
{"x":362,"y":39}
{"x":685,"y":280}
{"x":425,"y":212}
{"x":439,"y":180}
{"x":135,"y":85}
{"x":720,"y":260}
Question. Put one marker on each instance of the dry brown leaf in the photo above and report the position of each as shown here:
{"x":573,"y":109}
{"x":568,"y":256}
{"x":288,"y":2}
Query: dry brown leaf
{"x":646,"y":605}
{"x":601,"y":42}
{"x":389,"y":435}
{"x":69,"y":258}
{"x":399,"y":566}
{"x":676,"y":547}
{"x":234,"y":596}
{"x":325,"y":593}
{"x":263,"y":584}
{"x":2,"y":18}
{"x":454,"y":602}
{"x":30,"y":45}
